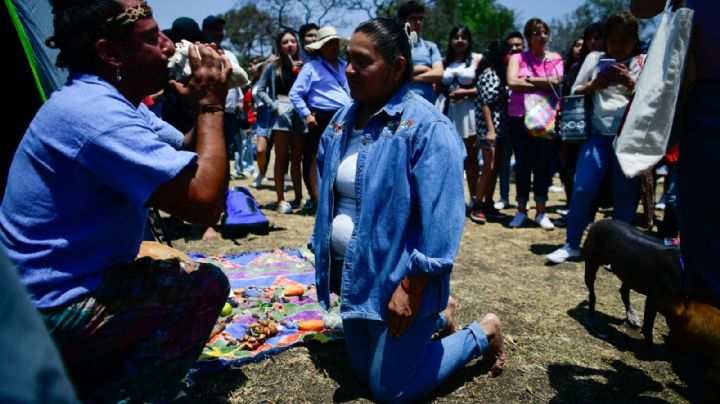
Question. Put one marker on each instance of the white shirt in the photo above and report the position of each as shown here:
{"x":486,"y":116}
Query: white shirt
{"x":457,"y":74}
{"x":345,"y":196}
{"x":608,"y":104}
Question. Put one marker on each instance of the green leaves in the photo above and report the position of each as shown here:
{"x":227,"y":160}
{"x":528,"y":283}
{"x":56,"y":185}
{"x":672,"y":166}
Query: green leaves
{"x":486,"y":19}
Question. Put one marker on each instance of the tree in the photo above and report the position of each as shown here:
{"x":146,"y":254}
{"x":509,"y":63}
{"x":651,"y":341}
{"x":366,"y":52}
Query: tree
{"x":252,"y":25}
{"x":250,"y":31}
{"x":486,"y":19}
{"x":571,"y":26}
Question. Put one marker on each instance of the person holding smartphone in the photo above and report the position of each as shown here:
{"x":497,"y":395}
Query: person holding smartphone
{"x":610,"y":84}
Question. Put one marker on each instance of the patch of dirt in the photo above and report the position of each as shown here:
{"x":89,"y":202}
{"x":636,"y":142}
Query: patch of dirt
{"x":553,"y":355}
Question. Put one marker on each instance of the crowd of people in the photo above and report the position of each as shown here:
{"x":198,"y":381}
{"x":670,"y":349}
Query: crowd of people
{"x":383,"y":137}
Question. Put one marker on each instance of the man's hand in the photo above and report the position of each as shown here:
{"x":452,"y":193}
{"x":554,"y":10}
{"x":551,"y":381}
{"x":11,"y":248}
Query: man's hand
{"x":210,"y":72}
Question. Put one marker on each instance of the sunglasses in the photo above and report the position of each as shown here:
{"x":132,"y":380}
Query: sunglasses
{"x":539,"y":34}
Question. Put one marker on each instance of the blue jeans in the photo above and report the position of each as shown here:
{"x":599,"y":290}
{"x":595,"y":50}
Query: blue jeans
{"x":595,"y":159}
{"x":532,"y":157}
{"x":410,"y":366}
{"x":670,"y":225}
{"x":699,"y":189}
{"x":230,"y":126}
{"x":244,"y":152}
{"x":504,"y":169}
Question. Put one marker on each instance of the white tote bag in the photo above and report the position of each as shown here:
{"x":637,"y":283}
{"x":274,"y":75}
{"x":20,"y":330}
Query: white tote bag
{"x":646,"y":131}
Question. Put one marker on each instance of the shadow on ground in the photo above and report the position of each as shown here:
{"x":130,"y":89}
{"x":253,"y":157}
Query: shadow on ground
{"x":577,"y":384}
{"x":617,"y":333}
{"x":332,"y":360}
{"x":212,"y":387}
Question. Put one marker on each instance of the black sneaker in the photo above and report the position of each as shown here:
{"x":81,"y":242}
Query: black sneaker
{"x":493,"y":214}
{"x":560,"y":222}
{"x":477,"y":216}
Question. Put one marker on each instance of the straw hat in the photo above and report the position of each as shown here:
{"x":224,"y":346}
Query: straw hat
{"x":325,"y":34}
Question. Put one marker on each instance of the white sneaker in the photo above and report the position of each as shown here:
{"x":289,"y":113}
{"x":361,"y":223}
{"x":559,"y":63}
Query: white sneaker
{"x":257,"y":182}
{"x":563,"y":254}
{"x":544,"y":221}
{"x":518,"y":220}
{"x":556,"y":188}
{"x":660,"y":206}
{"x":284,"y":207}
{"x":501,"y":204}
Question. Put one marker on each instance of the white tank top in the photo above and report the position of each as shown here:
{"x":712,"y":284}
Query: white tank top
{"x":345,"y":196}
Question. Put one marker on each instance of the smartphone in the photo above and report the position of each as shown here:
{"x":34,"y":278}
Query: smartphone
{"x":604,"y":64}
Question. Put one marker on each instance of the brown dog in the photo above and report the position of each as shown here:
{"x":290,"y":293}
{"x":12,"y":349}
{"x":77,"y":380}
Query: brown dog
{"x":643,"y":264}
{"x":695,"y":327}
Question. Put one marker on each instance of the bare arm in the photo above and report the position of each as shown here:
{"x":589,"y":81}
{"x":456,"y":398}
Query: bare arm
{"x":514,"y":82}
{"x":420,"y":69}
{"x":647,"y":8}
{"x":487,"y":115}
{"x":434,"y":74}
{"x":598,"y":83}
{"x":461,"y":93}
{"x":543,"y":83}
{"x":196,"y":193}
{"x":189,"y":141}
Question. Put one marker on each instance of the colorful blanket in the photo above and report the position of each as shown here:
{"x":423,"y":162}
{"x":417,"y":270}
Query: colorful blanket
{"x":260,"y":281}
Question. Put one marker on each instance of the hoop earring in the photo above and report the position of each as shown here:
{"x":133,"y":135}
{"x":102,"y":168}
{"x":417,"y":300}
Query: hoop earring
{"x":118,"y":77}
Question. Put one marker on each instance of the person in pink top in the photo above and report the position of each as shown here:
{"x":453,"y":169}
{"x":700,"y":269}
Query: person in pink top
{"x":534,"y":71}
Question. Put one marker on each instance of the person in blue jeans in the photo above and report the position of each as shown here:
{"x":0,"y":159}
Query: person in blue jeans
{"x":389,"y":222}
{"x":610,"y":87}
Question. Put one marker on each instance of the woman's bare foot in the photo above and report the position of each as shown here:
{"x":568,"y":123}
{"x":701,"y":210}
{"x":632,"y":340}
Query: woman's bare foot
{"x":495,"y":355}
{"x":210,"y":234}
{"x":449,"y":314}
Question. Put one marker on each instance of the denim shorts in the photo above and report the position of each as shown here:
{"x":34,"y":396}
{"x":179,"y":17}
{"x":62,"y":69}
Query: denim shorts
{"x":263,"y":121}
{"x":287,"y":118}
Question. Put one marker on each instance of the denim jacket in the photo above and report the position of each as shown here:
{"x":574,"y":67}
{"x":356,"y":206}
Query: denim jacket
{"x":410,"y":209}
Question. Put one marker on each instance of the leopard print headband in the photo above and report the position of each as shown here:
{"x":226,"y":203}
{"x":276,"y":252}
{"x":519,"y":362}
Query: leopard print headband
{"x":131,"y":14}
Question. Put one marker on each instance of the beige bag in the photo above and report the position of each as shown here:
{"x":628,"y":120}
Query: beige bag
{"x":645,"y":134}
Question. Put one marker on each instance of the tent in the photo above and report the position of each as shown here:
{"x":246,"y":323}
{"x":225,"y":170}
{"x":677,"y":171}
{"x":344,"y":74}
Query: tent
{"x":31,"y":67}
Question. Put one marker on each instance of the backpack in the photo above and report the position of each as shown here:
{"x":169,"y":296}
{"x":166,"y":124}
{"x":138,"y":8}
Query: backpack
{"x":242,"y":215}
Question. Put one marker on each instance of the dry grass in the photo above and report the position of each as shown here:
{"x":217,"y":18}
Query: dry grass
{"x":553,"y":355}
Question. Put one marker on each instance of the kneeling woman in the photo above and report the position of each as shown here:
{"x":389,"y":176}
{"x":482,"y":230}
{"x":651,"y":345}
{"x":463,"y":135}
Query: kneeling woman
{"x":389,"y":222}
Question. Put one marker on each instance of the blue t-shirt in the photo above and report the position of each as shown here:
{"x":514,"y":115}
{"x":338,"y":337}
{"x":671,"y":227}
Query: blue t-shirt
{"x":78,"y":185}
{"x":425,"y":53}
